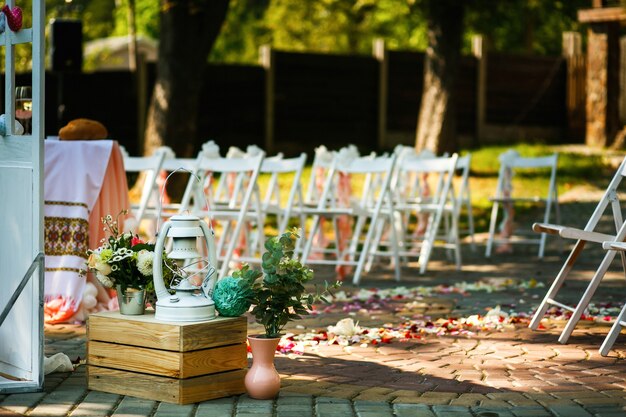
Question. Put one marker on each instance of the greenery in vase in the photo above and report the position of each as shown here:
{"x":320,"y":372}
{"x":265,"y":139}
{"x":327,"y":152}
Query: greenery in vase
{"x":281,"y":297}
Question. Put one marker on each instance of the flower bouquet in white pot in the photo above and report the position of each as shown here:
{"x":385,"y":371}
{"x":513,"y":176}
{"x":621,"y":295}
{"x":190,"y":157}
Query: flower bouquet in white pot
{"x":124,"y":262}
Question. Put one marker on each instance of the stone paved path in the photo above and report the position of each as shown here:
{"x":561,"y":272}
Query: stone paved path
{"x":508,"y":372}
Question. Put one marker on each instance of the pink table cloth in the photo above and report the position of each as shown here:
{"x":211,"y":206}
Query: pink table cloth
{"x":83,"y":181}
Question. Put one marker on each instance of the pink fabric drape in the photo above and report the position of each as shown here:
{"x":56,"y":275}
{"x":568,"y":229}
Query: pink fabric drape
{"x":320,"y":240}
{"x":344,"y":223}
{"x":112,"y":199}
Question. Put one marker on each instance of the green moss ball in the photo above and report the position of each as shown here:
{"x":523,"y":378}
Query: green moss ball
{"x":232,"y":296}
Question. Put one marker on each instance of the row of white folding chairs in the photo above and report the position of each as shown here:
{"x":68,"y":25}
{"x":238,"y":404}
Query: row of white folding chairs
{"x":232,"y":200}
{"x":254,"y":210}
{"x":385,"y":208}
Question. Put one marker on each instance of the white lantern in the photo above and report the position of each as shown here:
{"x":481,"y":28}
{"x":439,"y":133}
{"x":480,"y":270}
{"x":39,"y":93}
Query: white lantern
{"x":190,"y":302}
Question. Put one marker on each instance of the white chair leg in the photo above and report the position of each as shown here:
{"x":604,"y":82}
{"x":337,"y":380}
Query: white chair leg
{"x":470,"y":226}
{"x":556,"y":285}
{"x":542,"y":245}
{"x":309,"y":243}
{"x":546,"y":219}
{"x":395,"y":248}
{"x":375,"y":246}
{"x":429,"y":241}
{"x":616,"y":329}
{"x":457,"y":244}
{"x":336,"y":235}
{"x":584,"y":301}
{"x":231,"y":249}
{"x":223,"y":238}
{"x":492,"y":229}
{"x":354,"y":242}
{"x":365,"y":251}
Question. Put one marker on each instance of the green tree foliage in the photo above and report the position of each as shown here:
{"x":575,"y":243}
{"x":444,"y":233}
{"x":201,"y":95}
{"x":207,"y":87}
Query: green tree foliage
{"x":243,"y":32}
{"x":523,"y":26}
{"x":335,"y":26}
{"x":349,"y":26}
{"x":146,"y":18}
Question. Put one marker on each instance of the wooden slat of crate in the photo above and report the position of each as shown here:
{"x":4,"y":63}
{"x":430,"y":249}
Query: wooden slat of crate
{"x":167,"y":363}
{"x":172,"y":390}
{"x":146,"y":331}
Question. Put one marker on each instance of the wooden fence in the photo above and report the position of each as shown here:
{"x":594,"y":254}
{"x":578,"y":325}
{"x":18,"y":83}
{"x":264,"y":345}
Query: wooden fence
{"x":294,"y":102}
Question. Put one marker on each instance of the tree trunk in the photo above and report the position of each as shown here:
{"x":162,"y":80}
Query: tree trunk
{"x":436,"y":128}
{"x":188,"y":30}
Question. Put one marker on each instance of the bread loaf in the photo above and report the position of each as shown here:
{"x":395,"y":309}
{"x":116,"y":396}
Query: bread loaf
{"x":83,"y":129}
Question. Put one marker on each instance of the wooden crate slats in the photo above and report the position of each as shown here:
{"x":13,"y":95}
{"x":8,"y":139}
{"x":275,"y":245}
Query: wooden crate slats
{"x":223,"y":331}
{"x":145,"y":331}
{"x":167,"y":363}
{"x":158,"y":388}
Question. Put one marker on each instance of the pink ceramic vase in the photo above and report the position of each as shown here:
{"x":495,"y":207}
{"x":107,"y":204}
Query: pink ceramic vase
{"x":262,"y":381}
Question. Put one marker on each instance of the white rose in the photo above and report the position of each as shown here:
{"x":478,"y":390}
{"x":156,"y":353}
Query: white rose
{"x":144,"y":262}
{"x":103,"y":268}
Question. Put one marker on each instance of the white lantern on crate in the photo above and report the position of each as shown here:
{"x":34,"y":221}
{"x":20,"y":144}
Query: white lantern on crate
{"x":190,"y":302}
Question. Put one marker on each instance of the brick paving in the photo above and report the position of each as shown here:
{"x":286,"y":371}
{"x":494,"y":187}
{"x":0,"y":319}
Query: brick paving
{"x":508,"y":372}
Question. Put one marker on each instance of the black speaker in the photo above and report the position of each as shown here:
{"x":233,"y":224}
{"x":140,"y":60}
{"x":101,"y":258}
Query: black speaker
{"x":66,"y":45}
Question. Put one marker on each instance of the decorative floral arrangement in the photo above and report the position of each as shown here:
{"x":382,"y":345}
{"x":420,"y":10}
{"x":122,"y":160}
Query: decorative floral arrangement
{"x":123,"y":258}
{"x":278,"y":293}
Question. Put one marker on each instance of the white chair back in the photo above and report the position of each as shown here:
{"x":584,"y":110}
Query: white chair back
{"x":507,"y":197}
{"x":438,"y":172}
{"x":290,"y":171}
{"x":236,"y":209}
{"x":150,"y":167}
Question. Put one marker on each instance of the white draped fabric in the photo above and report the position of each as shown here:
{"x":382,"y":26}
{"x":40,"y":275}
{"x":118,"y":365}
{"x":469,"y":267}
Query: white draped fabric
{"x":83,"y":180}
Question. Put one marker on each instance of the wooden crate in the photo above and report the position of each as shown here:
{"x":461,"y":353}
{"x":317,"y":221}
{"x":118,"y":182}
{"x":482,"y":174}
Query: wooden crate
{"x":179,"y":363}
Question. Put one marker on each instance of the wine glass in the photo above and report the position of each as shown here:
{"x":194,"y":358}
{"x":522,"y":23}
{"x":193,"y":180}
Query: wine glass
{"x":24,"y":107}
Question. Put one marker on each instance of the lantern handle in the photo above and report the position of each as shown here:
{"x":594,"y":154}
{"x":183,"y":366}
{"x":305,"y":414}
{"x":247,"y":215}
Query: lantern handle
{"x":194,"y":175}
{"x":157,"y":264}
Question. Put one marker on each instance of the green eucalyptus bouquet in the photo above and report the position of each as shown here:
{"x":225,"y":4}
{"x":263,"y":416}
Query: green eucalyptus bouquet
{"x":278,"y":293}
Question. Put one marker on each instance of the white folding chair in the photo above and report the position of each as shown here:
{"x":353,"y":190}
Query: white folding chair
{"x":149,"y":167}
{"x":510,"y":163}
{"x":368,"y":208}
{"x":407,"y":202}
{"x":238,"y":210}
{"x":582,"y":236}
{"x":284,"y":174}
{"x":322,"y":162}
